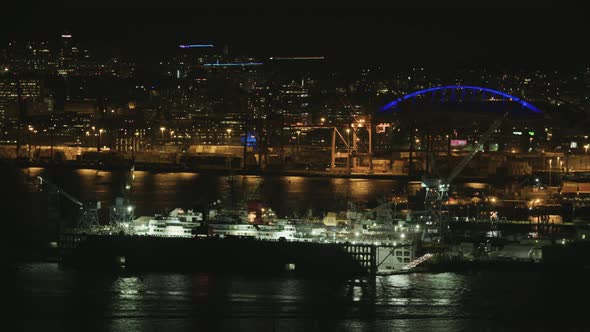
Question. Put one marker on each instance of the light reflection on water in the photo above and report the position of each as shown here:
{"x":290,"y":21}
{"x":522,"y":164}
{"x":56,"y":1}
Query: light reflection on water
{"x":155,"y":192}
{"x":56,"y":297}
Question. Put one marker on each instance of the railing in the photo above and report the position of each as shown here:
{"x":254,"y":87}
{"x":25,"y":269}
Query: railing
{"x":417,"y":262}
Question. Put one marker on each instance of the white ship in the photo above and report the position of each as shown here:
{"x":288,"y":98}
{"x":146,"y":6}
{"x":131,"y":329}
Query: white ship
{"x":177,"y":224}
{"x":276,"y":232}
{"x":229,"y":229}
{"x":261,"y":232}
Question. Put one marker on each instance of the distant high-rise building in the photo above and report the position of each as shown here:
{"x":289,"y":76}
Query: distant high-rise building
{"x":65,"y":50}
{"x":31,"y":94}
{"x":74,"y":60}
{"x":30,"y":57}
{"x":294,"y":102}
{"x":81,"y":106}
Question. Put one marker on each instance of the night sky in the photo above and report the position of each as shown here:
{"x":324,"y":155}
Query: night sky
{"x":467,"y":34}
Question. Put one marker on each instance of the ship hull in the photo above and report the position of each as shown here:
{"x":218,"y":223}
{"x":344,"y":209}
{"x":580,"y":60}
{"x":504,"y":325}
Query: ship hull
{"x":228,"y":255}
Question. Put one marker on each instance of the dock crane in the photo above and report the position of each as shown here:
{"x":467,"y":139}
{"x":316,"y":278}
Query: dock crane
{"x":88,"y":217}
{"x":122,"y":212}
{"x":382,"y":207}
{"x":437,"y":188}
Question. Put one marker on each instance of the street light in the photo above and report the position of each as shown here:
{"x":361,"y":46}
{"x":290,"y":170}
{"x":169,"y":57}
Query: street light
{"x":100,"y":131}
{"x":30,"y":138}
{"x":348,"y":155}
{"x":93,"y":139}
{"x":228,"y":135}
{"x":533,"y":202}
{"x":162,"y":130}
{"x":323,"y":120}
{"x":550,"y":172}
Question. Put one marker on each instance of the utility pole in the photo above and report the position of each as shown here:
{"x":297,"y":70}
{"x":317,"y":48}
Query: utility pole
{"x":410,"y":159}
{"x":354,"y":147}
{"x":298,"y":146}
{"x":549,"y":172}
{"x":448,"y":145}
{"x":333,"y":154}
{"x":370,"y":145}
{"x":586,"y":157}
{"x":259,"y":140}
{"x":21,"y":113}
{"x":245,"y":110}
{"x":348,"y":154}
{"x":99,"y":137}
{"x":29,"y":141}
{"x":428,"y":151}
{"x":51,"y":138}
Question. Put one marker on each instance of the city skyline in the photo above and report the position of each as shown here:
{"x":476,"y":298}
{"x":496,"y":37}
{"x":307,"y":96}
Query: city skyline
{"x":503,"y":36}
{"x":290,"y":166}
{"x":180,"y":82}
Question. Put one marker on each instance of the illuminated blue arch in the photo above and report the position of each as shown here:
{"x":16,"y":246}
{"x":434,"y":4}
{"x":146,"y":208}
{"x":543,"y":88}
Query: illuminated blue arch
{"x":458,"y":87}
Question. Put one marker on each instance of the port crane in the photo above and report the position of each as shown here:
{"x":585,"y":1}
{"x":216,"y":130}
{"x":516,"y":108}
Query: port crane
{"x":437,"y":188}
{"x":382,"y":207}
{"x":88,"y":217}
{"x":122,"y":212}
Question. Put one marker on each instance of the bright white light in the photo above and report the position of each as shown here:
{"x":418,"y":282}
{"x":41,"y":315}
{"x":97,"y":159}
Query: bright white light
{"x":403,"y":236}
{"x":129,"y":208}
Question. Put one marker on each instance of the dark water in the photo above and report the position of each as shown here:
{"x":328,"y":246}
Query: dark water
{"x":287,"y":195}
{"x":46,"y":297}
{"x":152,"y":193}
{"x":52,"y":299}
